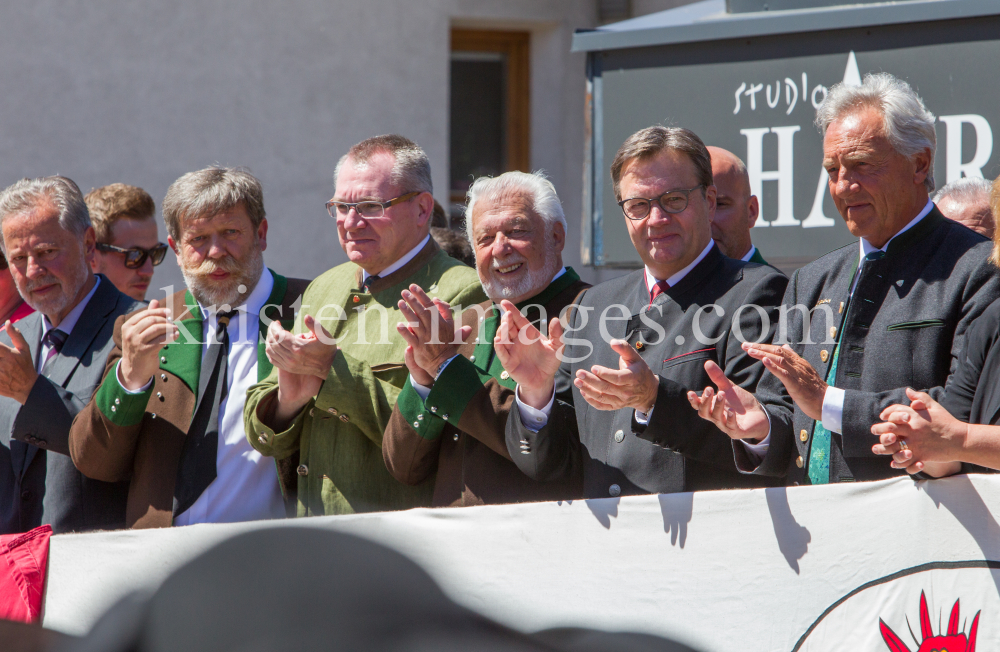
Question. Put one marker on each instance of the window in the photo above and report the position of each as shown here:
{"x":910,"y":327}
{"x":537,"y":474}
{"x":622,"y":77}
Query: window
{"x":490,"y":107}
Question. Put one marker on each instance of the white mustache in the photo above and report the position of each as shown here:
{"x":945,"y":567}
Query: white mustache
{"x":514,"y":260}
{"x":33,"y":285}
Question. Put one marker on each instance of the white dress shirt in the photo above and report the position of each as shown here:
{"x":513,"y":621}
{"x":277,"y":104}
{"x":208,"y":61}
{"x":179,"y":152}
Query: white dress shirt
{"x":66,"y":325}
{"x":749,"y":254}
{"x":833,"y":400}
{"x":246,"y":483}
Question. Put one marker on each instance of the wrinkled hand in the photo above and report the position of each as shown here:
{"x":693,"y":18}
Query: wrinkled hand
{"x":417,"y":372}
{"x":307,"y":354}
{"x":804,"y":385}
{"x":632,"y":385}
{"x":143,"y":336}
{"x":17,"y":369}
{"x":933,"y":437}
{"x":429,"y":330}
{"x":732,"y":409}
{"x":531,"y":359}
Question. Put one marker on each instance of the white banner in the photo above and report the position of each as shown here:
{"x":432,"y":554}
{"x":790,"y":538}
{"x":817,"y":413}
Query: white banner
{"x":841,"y":567}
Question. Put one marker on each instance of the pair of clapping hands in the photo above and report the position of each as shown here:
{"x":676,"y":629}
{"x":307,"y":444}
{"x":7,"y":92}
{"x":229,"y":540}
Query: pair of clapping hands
{"x":921,"y":436}
{"x":530,"y":358}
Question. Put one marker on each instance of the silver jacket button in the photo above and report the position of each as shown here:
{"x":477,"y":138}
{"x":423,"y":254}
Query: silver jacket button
{"x":614,"y":490}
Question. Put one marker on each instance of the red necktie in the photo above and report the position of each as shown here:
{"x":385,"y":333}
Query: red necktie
{"x":658,"y":288}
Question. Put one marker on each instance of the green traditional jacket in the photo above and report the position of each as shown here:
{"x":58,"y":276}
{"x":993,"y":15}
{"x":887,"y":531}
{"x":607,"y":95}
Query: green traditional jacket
{"x":183,"y":358}
{"x":464,"y":377}
{"x":338,"y":434}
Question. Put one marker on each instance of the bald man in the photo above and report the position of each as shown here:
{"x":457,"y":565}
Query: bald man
{"x":736,"y":210}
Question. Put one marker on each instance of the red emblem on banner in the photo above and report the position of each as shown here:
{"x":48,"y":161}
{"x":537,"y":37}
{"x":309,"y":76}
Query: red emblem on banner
{"x":953,"y":641}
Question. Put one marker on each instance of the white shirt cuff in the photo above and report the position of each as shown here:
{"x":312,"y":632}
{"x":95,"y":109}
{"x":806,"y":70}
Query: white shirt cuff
{"x":423,"y":391}
{"x":532,"y":418}
{"x":643,"y":418}
{"x":118,"y":375}
{"x":833,"y":409}
{"x":760,"y":450}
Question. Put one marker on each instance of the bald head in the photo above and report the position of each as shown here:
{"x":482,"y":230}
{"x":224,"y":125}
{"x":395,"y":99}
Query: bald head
{"x":736,"y":209}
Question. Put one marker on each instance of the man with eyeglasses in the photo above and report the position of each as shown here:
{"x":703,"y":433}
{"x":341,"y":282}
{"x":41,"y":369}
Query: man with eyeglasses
{"x":169,"y":413}
{"x":329,"y":398}
{"x":128,"y":246}
{"x":603,"y":397}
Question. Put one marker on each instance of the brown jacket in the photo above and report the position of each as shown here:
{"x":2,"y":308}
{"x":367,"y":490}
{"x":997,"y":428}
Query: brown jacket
{"x":139,"y":437}
{"x":459,"y":431}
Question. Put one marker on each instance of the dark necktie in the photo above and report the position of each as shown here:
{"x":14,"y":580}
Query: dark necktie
{"x":366,"y":286}
{"x":55,"y":339}
{"x":658,"y":288}
{"x":197,"y":464}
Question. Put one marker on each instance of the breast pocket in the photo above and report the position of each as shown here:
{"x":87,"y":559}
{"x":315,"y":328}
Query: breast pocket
{"x":684,"y":358}
{"x":924,"y":351}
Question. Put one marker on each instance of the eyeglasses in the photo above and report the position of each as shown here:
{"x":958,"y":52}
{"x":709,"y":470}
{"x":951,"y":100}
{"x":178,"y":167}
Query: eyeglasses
{"x":135,"y":257}
{"x":366,"y":208}
{"x":672,"y":201}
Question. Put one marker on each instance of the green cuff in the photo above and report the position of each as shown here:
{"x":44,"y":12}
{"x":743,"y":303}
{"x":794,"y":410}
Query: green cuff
{"x":411,"y":406}
{"x":454,"y":389}
{"x":262,"y":437}
{"x":118,"y":406}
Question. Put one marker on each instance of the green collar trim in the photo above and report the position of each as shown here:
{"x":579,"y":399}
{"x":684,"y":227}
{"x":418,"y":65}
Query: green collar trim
{"x":915,"y":233}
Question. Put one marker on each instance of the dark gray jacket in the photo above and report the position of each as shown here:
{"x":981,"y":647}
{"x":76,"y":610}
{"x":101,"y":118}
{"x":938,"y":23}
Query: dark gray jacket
{"x":677,"y":451}
{"x":38,"y":482}
{"x":903,"y":327}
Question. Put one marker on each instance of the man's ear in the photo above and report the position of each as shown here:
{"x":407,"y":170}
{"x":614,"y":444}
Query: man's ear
{"x":90,"y":246}
{"x":753,"y":210}
{"x":425,"y":203}
{"x":558,"y":237}
{"x":922,"y":167}
{"x":173,"y":245}
{"x":711,"y":195}
{"x":262,"y":234}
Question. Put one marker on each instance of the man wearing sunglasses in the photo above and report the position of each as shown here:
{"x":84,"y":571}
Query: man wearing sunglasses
{"x":128,"y":245}
{"x":329,"y":399}
{"x":610,"y":406}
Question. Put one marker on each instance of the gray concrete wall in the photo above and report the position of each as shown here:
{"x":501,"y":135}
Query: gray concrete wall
{"x":106,"y":91}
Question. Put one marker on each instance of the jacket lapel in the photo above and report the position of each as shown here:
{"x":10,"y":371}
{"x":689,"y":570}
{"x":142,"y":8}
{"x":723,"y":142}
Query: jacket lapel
{"x":92,"y":320}
{"x":183,"y":357}
{"x":268,"y":314}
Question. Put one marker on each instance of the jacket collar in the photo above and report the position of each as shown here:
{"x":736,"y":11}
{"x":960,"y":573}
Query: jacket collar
{"x":406,"y":271}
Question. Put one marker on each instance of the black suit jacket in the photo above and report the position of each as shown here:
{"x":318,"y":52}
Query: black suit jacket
{"x":38,"y":482}
{"x":677,"y":450}
{"x":972,"y":394}
{"x":903,"y":327}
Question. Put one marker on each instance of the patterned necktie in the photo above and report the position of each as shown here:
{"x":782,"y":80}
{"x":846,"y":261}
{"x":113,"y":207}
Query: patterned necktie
{"x":366,"y":286}
{"x":54,"y":339}
{"x":658,"y":288}
{"x":201,"y":446}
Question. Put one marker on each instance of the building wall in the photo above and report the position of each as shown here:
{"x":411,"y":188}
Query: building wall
{"x":108,"y":91}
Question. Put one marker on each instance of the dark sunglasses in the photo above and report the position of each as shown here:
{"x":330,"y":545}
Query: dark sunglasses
{"x":136,"y":256}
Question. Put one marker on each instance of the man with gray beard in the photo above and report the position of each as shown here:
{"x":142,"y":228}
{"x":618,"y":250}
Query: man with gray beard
{"x":50,"y":363}
{"x":450,"y":415}
{"x":169,"y":413}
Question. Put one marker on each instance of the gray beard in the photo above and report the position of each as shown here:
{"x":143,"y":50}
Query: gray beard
{"x":209,"y":293}
{"x":528,"y":286}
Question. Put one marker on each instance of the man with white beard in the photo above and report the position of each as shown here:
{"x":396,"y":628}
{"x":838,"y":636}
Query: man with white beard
{"x":451,"y":413}
{"x":169,"y":413}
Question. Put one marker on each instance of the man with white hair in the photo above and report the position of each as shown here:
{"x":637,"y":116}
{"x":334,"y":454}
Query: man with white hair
{"x":872,"y":318}
{"x":52,"y":361}
{"x":967,"y":201}
{"x":451,"y":415}
{"x":329,"y":398}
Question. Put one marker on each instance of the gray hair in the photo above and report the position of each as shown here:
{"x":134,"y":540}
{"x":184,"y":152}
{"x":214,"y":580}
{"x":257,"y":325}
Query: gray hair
{"x":411,"y":170}
{"x":61,"y":192}
{"x":907,"y":123}
{"x":209,"y":192}
{"x":544,"y":199}
{"x":968,"y":190}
